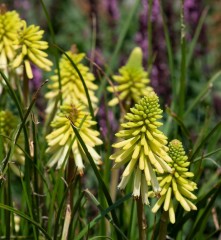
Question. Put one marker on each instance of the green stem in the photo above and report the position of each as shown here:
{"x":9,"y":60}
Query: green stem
{"x":163,"y":225}
{"x":142,"y":225}
{"x":69,"y":206}
{"x":182,"y":89}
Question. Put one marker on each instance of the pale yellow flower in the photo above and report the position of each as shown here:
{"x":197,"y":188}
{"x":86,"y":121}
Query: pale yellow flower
{"x":60,"y":140}
{"x":71,"y":86}
{"x":30,"y":49}
{"x":10,"y":23}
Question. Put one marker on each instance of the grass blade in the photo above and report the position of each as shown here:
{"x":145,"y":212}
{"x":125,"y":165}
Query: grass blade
{"x":196,"y":35}
{"x":99,"y":178}
{"x":81,"y":78}
{"x":26,"y":217}
{"x":101,"y":215}
{"x":208,"y":136}
{"x":204,"y":91}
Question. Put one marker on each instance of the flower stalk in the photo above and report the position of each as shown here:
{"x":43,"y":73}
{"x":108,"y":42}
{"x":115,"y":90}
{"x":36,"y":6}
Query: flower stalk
{"x":142,"y":224}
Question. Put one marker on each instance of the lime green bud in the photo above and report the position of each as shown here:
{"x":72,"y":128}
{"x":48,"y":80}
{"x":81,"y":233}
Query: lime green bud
{"x":62,"y":140}
{"x":30,"y":49}
{"x":146,"y":149}
{"x":175,"y":185}
{"x":132,"y":83}
{"x":71,"y":84}
{"x":8,"y":124}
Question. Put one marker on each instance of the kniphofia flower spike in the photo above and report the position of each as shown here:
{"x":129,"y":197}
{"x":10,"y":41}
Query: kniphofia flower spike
{"x":176,"y":185}
{"x":142,"y":146}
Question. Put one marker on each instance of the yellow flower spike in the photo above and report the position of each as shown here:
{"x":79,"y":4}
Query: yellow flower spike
{"x":143,"y":151}
{"x":175,"y":185}
{"x":62,"y":135}
{"x":132,"y":83}
{"x":71,"y":85}
{"x":10,"y":24}
{"x":30,"y":48}
{"x":8,"y":124}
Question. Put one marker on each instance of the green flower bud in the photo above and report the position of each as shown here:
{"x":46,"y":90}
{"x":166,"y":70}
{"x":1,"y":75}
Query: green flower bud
{"x":8,"y":124}
{"x":62,"y":136}
{"x":175,"y":184}
{"x":143,"y":146}
{"x":132,"y":83}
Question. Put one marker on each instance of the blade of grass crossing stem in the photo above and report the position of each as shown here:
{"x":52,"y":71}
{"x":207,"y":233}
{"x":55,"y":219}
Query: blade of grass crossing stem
{"x":208,"y":154}
{"x":208,"y":136}
{"x":196,"y":35}
{"x":120,"y":41}
{"x":56,"y":51}
{"x":101,"y":215}
{"x":60,"y":173}
{"x":26,"y":217}
{"x":29,"y":109}
{"x":182,"y":87}
{"x":203,"y":92}
{"x":99,"y":178}
{"x":81,"y":78}
{"x":99,"y":206}
{"x":203,"y":218}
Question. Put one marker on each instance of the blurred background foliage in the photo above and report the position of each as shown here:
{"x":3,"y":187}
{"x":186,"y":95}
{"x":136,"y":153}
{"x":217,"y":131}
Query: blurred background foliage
{"x":95,"y":26}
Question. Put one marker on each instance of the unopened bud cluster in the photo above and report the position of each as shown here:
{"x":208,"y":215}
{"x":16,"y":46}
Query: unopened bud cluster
{"x":132,"y":83}
{"x":176,"y":185}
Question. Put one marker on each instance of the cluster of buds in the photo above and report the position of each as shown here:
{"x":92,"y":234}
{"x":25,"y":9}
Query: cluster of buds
{"x":71,"y":85}
{"x":8,"y":124}
{"x":176,"y":183}
{"x":132,"y":83}
{"x":63,"y":142}
{"x":143,"y":147}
